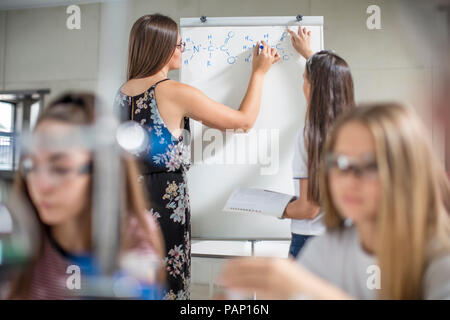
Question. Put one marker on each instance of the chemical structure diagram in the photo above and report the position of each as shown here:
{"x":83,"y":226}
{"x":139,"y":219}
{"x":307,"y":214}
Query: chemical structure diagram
{"x":213,"y":49}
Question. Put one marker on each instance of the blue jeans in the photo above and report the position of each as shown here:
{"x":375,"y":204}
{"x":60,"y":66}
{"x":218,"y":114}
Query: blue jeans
{"x":297,"y":243}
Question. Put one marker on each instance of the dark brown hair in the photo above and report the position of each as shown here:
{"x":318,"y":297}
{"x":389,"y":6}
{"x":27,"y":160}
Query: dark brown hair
{"x":153,"y":40}
{"x":79,"y":110}
{"x":331,"y":94}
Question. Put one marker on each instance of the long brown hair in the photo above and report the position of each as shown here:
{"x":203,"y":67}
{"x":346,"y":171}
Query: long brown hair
{"x":413,"y":218}
{"x":153,"y":40}
{"x":79,"y":110}
{"x":331,"y":94}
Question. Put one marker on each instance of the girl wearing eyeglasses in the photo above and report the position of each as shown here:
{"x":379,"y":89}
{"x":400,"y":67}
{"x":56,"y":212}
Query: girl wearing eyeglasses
{"x":387,"y":203}
{"x":56,"y":184}
{"x":164,"y":107}
{"x":328,"y":89}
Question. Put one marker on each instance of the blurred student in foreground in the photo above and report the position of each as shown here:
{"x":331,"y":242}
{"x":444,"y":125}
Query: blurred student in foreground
{"x":58,"y":185}
{"x":386,"y":200}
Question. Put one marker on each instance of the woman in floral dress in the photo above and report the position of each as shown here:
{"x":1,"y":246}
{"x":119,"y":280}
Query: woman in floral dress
{"x":163,"y":172}
{"x":164,"y":107}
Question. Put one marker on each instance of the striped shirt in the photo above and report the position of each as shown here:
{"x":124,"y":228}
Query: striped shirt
{"x":51,"y":274}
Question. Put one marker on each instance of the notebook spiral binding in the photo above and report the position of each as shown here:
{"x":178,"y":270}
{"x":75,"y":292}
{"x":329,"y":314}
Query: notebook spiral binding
{"x":243,"y":209}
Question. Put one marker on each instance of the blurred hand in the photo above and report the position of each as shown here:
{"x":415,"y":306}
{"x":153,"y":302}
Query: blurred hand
{"x":301,"y":41}
{"x":269,"y":278}
{"x":264,"y":58}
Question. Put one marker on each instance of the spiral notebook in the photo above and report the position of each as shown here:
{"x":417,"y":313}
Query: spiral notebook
{"x":260,"y":201}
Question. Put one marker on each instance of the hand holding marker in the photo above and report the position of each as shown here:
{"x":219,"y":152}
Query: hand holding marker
{"x":264,"y":57}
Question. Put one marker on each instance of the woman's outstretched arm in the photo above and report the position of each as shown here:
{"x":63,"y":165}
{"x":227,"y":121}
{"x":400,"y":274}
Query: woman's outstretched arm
{"x":200,"y":107}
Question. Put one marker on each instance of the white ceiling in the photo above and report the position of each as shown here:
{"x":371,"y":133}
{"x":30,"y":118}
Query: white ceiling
{"x":23,"y":4}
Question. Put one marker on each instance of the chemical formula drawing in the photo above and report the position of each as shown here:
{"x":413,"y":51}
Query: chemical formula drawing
{"x":229,"y":47}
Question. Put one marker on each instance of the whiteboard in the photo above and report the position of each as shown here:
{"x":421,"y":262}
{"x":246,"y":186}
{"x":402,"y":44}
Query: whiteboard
{"x":217,"y":60}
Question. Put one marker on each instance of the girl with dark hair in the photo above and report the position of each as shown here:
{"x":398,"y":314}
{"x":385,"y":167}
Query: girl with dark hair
{"x":164,"y":106}
{"x":56,"y":183}
{"x":328,"y":89}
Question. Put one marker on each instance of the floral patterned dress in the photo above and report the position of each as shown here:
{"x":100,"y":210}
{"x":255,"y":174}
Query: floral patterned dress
{"x":163,"y":171}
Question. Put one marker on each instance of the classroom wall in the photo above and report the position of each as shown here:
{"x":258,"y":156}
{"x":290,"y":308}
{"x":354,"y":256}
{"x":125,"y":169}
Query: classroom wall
{"x":2,"y":47}
{"x":38,"y":51}
{"x":404,"y":61}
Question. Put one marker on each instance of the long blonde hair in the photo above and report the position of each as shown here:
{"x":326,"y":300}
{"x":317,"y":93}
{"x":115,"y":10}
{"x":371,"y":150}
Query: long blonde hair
{"x":413,"y":217}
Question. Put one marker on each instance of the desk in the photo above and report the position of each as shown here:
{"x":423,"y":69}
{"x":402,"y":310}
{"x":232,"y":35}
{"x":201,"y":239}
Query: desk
{"x":226,"y":248}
